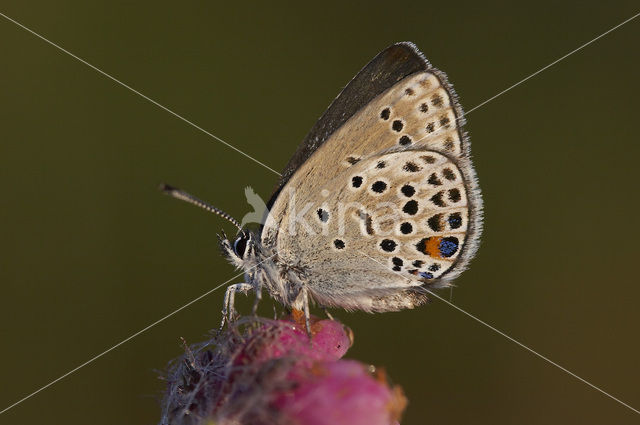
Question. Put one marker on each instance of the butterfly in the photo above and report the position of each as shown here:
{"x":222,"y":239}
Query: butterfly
{"x":379,"y":203}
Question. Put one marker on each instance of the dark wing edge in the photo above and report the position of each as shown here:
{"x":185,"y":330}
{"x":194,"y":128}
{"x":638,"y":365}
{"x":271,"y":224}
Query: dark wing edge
{"x":390,"y":66}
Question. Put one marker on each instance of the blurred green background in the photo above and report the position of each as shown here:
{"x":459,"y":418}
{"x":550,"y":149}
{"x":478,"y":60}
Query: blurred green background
{"x":91,"y":253}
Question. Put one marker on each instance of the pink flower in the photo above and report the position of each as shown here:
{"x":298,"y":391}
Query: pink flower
{"x":340,"y":392}
{"x":277,"y":339}
{"x":262,"y":371}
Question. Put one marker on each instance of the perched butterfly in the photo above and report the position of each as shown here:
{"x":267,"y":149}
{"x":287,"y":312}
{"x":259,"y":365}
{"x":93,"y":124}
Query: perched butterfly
{"x":379,"y":202}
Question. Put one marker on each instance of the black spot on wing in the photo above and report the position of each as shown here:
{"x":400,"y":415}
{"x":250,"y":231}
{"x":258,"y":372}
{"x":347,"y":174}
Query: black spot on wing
{"x":411,"y":207}
{"x":404,"y":140}
{"x":448,"y":174}
{"x":454,"y":195}
{"x":408,"y":190}
{"x":435,"y":223}
{"x":411,"y":167}
{"x":434,"y":180}
{"x":455,"y":220}
{"x":379,"y":186}
{"x":388,"y":245}
{"x":323,"y":215}
{"x":406,"y":228}
{"x":437,"y":199}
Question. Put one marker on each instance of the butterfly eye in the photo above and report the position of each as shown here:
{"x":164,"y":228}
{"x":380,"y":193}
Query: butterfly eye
{"x":240,"y":245}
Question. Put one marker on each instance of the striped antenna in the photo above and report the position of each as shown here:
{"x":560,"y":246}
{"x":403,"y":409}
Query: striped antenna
{"x":174,"y":192}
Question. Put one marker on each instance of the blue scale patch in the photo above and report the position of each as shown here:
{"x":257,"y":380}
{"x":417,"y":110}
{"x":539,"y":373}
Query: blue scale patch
{"x":448,"y":246}
{"x":455,"y":220}
{"x":426,"y":275}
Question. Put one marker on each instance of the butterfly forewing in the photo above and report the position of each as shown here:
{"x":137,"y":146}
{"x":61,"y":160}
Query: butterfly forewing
{"x":388,"y":67}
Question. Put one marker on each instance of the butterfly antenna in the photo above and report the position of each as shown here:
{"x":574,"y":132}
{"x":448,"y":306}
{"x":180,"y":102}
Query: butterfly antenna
{"x":174,"y":192}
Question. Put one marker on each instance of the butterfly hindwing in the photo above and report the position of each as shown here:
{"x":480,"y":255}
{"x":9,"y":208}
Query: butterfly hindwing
{"x":412,"y":210}
{"x":392,"y":223}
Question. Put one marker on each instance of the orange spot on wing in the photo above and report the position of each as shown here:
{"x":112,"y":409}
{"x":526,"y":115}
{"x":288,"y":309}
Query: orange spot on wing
{"x":432,"y":247}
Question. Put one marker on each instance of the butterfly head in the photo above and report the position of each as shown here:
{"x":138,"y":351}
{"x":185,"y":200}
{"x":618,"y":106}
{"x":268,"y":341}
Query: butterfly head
{"x":241,"y":250}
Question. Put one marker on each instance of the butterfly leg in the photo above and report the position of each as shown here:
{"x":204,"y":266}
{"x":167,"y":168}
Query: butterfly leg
{"x":305,"y":309}
{"x":258,"y":290}
{"x":328,"y":314}
{"x":228,"y":309}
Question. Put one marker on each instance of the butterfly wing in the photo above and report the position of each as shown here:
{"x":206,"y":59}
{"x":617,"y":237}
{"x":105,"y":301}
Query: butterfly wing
{"x":386,"y":69}
{"x":339,"y":218}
